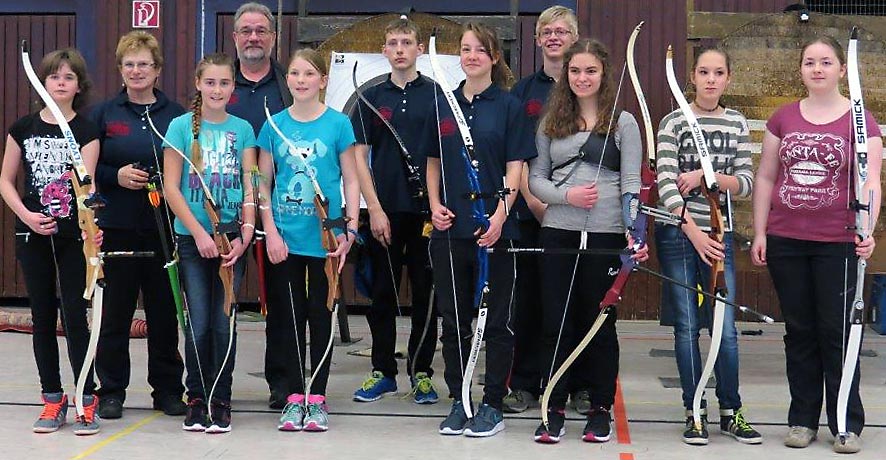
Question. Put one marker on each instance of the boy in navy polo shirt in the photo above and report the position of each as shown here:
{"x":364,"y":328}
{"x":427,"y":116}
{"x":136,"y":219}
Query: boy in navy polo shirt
{"x":555,"y":31}
{"x":397,"y":206}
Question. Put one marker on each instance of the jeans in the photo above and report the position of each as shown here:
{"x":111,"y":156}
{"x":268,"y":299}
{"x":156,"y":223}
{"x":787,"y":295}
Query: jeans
{"x":208,"y":334}
{"x":680,"y":261}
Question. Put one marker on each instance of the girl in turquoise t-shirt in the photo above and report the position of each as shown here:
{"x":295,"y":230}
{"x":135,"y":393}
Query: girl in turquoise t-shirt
{"x":212,"y":233}
{"x":318,"y":151}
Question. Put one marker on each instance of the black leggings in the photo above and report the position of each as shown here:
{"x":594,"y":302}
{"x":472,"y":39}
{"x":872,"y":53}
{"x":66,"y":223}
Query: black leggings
{"x":598,"y":363}
{"x":43,"y":260}
{"x":309,"y":305}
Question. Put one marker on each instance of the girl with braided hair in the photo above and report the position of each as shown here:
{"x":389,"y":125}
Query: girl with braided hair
{"x":219,"y":147}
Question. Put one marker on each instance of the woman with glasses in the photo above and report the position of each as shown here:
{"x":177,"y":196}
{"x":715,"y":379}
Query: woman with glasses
{"x":129,"y":158}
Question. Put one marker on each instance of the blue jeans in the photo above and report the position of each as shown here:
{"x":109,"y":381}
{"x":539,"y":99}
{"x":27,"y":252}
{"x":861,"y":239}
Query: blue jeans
{"x":680,"y":261}
{"x":208,"y":332}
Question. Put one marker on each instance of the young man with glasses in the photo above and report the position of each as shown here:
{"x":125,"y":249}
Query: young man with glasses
{"x":555,"y":31}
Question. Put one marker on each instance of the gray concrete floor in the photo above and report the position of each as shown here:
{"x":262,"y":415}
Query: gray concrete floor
{"x":397,"y":428}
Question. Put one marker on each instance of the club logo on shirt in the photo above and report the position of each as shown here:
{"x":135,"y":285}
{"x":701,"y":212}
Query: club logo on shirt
{"x":386,"y":112}
{"x":234,"y":99}
{"x":448,"y":127}
{"x":812,"y":165}
{"x":533,"y":108}
{"x":117,"y":128}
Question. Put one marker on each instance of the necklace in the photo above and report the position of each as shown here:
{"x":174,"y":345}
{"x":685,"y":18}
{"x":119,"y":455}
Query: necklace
{"x":716,"y":107}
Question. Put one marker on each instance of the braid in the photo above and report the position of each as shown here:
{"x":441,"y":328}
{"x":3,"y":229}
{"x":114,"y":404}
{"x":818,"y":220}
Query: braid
{"x":197,"y":109}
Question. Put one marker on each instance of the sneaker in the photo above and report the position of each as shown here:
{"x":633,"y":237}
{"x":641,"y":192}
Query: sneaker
{"x":693,"y":436}
{"x":518,"y":401}
{"x":55,"y":412}
{"x":293,"y":416}
{"x":555,"y":430}
{"x":317,"y":417}
{"x":456,"y":420}
{"x":219,"y":417}
{"x":735,"y":425}
{"x":169,"y":404}
{"x":581,"y":402}
{"x":110,"y":408}
{"x":88,"y":424}
{"x":277,"y":400}
{"x":374,"y":387}
{"x":598,"y":428}
{"x":486,"y":422}
{"x":423,"y":390}
{"x":847,"y":444}
{"x":799,"y":437}
{"x":195,"y":416}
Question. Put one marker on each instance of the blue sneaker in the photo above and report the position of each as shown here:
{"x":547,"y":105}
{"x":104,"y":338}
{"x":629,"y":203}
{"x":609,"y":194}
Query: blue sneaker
{"x":55,"y":410}
{"x":423,"y":391}
{"x":374,"y":387}
{"x":456,"y":420}
{"x":488,"y":421}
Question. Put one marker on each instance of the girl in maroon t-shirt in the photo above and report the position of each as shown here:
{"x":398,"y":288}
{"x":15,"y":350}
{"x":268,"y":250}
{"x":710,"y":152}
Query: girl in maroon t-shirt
{"x":804,"y":233}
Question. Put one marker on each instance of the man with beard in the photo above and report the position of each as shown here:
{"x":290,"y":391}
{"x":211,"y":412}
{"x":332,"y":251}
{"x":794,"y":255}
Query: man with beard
{"x":259,"y":76}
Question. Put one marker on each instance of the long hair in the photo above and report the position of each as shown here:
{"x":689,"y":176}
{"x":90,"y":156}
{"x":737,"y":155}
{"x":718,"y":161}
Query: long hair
{"x":562,"y":114}
{"x":52,"y":61}
{"x":219,"y":59}
{"x":487,"y":37}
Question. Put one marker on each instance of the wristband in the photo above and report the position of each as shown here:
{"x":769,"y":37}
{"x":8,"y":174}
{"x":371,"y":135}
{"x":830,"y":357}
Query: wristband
{"x":247,"y":224}
{"x":357,"y":237}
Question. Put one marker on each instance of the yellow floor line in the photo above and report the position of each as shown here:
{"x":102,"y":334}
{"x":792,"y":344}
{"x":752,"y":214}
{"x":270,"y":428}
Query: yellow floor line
{"x":95,"y":448}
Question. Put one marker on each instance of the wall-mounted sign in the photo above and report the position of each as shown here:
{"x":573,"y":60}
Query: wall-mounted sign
{"x":146,"y":14}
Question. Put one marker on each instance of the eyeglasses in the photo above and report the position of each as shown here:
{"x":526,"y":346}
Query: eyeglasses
{"x":260,"y":32}
{"x":546,"y":33}
{"x":137,"y":65}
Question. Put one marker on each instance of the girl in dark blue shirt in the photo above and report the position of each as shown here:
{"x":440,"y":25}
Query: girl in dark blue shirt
{"x":469,"y":215}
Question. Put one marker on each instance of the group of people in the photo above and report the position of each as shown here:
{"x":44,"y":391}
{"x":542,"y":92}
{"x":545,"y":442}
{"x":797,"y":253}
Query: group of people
{"x":455,"y":179}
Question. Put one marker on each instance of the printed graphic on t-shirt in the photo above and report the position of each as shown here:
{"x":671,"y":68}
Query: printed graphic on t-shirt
{"x":56,"y":197}
{"x":722,"y":146}
{"x":811,"y":164}
{"x":221,"y":169}
{"x":298,"y":192}
{"x":50,"y":164}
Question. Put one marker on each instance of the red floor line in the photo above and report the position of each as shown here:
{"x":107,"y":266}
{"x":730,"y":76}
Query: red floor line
{"x":621,"y":416}
{"x":621,"y":422}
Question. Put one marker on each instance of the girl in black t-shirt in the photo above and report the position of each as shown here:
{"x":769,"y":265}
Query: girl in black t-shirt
{"x":47,"y":238}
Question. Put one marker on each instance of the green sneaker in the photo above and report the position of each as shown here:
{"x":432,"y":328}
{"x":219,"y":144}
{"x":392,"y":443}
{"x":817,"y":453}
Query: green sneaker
{"x":735,"y":425}
{"x":317,"y":418}
{"x":423,"y":391}
{"x":293,"y":416}
{"x":55,"y":411}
